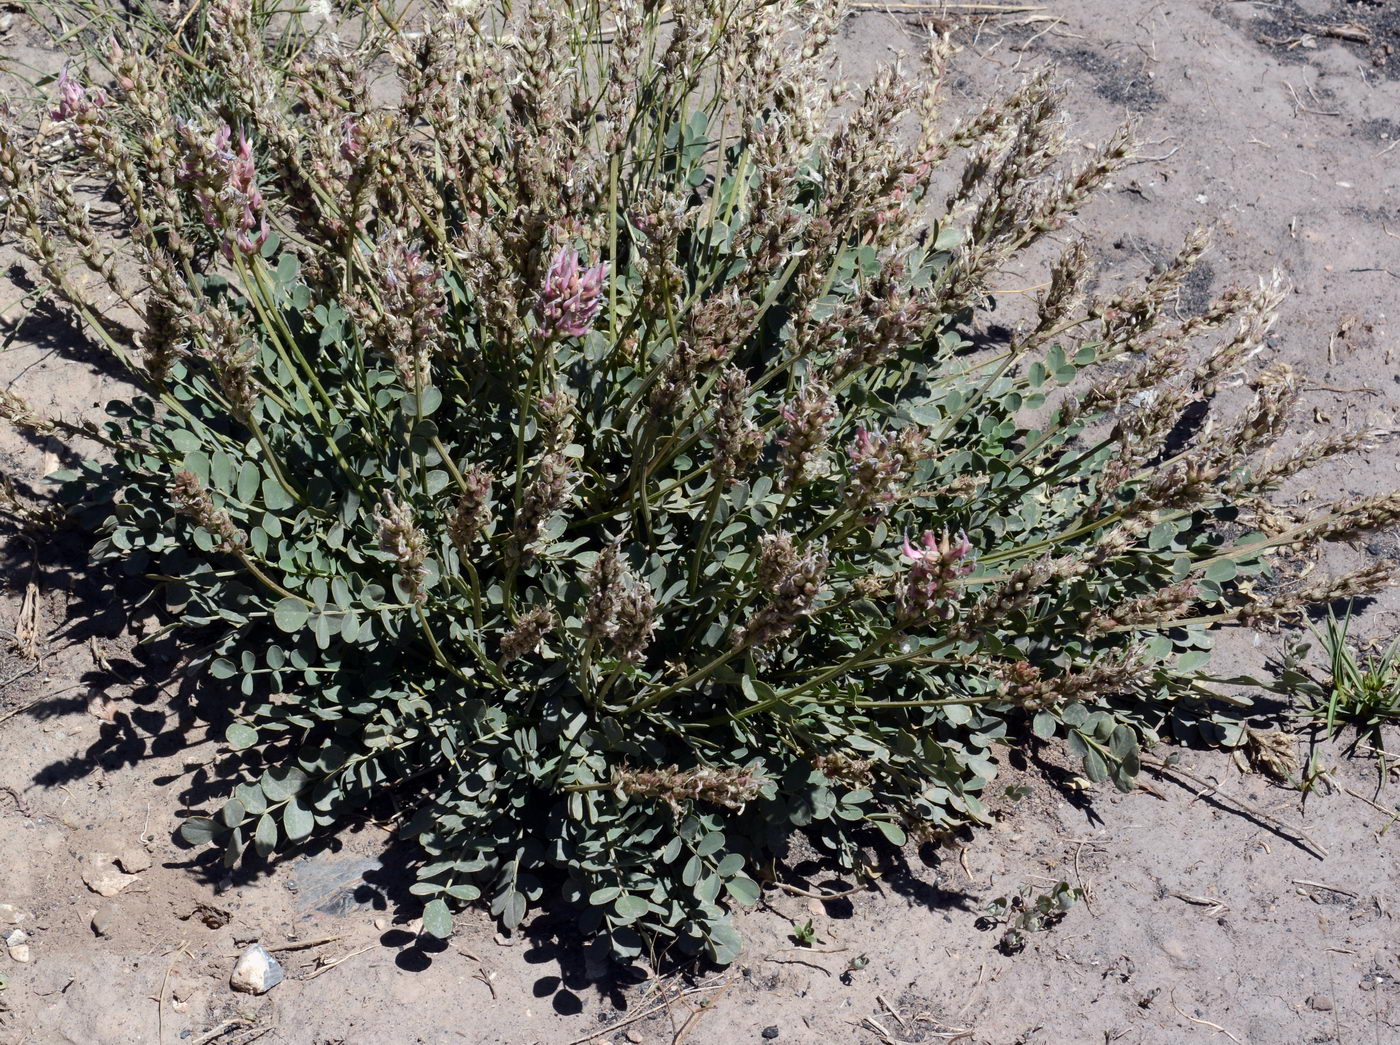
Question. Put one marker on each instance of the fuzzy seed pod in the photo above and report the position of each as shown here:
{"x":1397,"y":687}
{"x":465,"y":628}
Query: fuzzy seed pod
{"x":404,"y":543}
{"x":191,"y":499}
{"x":473,"y":508}
{"x":802,"y":442}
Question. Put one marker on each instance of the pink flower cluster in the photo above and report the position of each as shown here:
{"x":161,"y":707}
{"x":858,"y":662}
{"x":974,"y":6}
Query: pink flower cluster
{"x":570,"y":298}
{"x":937,"y":566}
{"x":76,"y":101}
{"x":877,"y":465}
{"x":224,"y":184}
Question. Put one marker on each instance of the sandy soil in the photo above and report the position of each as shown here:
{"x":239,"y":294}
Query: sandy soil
{"x":1276,"y":123}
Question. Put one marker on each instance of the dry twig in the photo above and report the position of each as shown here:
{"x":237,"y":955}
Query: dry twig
{"x":301,"y":945}
{"x":651,"y":1010}
{"x":222,"y":1029}
{"x":1213,"y":789}
{"x":329,"y":964}
{"x":1203,"y":1023}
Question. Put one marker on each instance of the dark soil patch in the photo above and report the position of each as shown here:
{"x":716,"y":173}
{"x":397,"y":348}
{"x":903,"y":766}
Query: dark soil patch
{"x":1368,"y":28}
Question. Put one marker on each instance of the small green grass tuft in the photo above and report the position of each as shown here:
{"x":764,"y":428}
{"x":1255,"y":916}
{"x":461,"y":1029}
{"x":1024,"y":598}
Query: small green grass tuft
{"x":1363,"y":691}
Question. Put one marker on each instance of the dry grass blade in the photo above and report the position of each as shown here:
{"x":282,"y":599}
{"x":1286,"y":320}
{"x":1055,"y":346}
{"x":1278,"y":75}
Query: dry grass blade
{"x":302,"y":945}
{"x":824,"y":897}
{"x":27,"y":623}
{"x":948,"y":1034}
{"x":1355,"y":32}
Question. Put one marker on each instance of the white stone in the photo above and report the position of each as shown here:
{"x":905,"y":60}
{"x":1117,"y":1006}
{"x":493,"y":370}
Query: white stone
{"x":100,"y":874}
{"x":256,"y":972}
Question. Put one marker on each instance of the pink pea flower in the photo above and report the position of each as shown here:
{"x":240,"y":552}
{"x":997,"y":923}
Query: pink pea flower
{"x":75,"y":100}
{"x":937,"y":566}
{"x":571,"y":297}
{"x":223,"y":180}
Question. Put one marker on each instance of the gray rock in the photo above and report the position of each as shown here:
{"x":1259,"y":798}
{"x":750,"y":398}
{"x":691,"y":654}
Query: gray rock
{"x":336,"y":885}
{"x":256,"y":972}
{"x":134,"y":860}
{"x":1320,"y":1003}
{"x":104,"y":920}
{"x":12,"y":915}
{"x":17,"y":943}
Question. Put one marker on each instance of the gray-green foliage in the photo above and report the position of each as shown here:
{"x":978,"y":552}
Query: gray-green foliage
{"x":619,"y":602}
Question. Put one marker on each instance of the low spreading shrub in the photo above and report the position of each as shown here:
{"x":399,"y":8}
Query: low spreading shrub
{"x":572,"y":418}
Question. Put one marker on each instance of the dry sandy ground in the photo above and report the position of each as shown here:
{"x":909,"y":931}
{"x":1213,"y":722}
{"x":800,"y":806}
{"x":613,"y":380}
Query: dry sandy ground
{"x":1203,"y":923}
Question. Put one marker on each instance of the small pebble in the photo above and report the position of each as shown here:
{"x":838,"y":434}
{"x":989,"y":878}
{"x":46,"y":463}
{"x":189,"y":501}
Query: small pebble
{"x":1320,"y":1003}
{"x":17,"y":943}
{"x":770,"y":1033}
{"x":104,"y":920}
{"x":257,"y":972}
{"x":12,"y":915}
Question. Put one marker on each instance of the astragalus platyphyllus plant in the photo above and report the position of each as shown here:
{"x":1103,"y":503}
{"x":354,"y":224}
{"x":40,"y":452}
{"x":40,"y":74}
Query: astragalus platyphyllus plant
{"x":578,"y":432}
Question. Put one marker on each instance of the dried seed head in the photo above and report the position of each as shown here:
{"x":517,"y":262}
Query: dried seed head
{"x":1256,"y":312}
{"x":678,"y":788}
{"x":842,"y":769}
{"x":1026,"y":684}
{"x":636,"y":622}
{"x":1011,"y":596}
{"x":738,"y":442}
{"x":880,"y":466}
{"x":791,"y":581}
{"x":605,"y":591}
{"x":473,"y":508}
{"x":1155,"y":610}
{"x":777,"y":557}
{"x":1269,"y":474}
{"x":16,"y":409}
{"x":544,"y":496}
{"x":556,"y":413}
{"x":1274,"y":607}
{"x":802,"y":442}
{"x":676,"y":381}
{"x":1271,"y":752}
